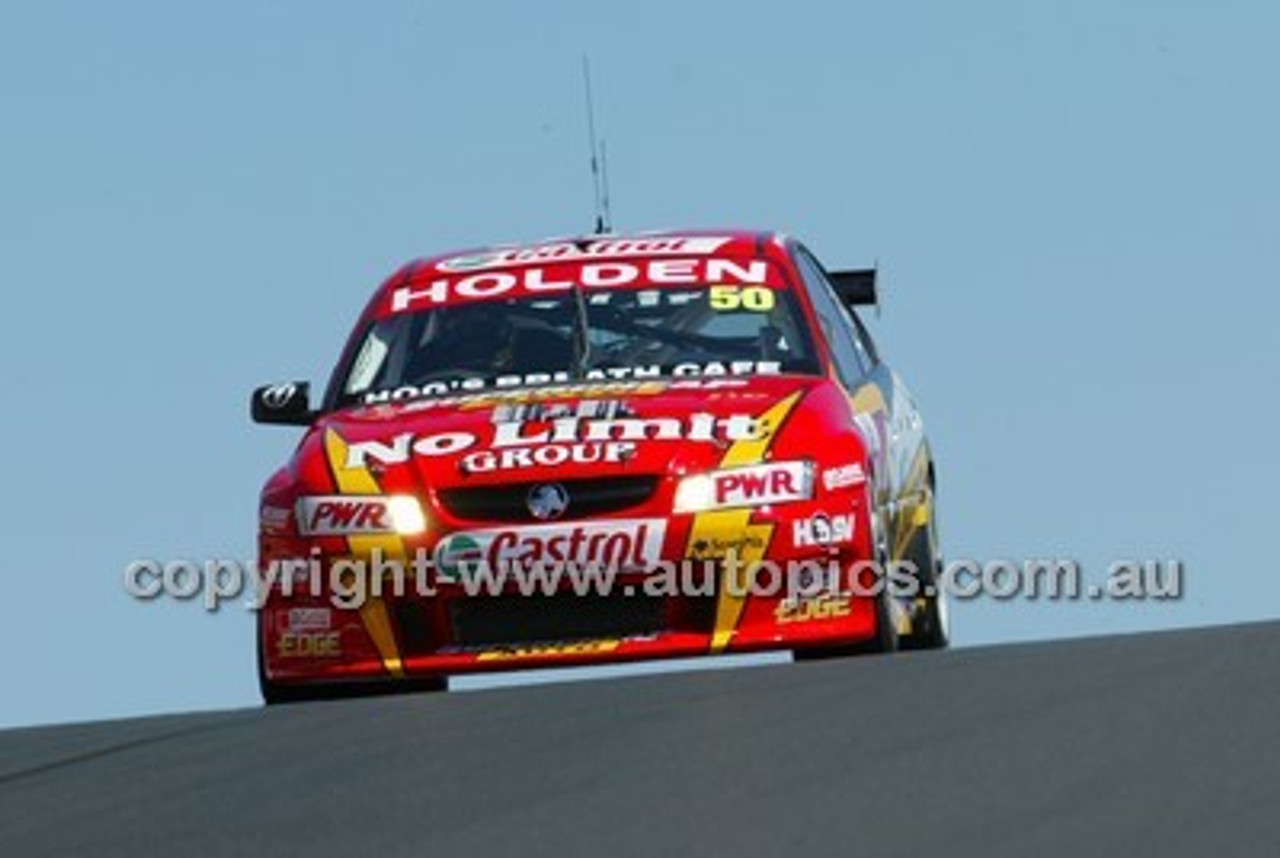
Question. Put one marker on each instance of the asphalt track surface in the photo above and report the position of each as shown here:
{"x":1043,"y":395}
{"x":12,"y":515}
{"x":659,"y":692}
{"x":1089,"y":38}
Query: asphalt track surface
{"x":1157,"y":744}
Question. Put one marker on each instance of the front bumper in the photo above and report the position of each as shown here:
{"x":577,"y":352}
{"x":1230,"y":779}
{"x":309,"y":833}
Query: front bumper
{"x":307,"y":635}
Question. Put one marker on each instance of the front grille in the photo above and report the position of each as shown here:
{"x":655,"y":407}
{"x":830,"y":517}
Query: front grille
{"x":498,"y":620}
{"x":507,"y":502}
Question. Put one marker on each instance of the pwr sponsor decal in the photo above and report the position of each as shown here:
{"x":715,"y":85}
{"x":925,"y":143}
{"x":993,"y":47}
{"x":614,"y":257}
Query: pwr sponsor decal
{"x":619,"y":544}
{"x":342,"y":515}
{"x":761,"y":484}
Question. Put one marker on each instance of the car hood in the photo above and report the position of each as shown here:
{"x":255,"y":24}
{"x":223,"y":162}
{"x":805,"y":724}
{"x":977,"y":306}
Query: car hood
{"x":568,"y":432}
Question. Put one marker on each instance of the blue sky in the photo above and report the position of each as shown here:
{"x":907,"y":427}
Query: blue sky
{"x":1076,"y":207}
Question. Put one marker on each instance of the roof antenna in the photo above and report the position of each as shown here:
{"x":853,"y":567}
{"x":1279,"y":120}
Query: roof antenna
{"x":604,"y":188}
{"x":599,"y":166}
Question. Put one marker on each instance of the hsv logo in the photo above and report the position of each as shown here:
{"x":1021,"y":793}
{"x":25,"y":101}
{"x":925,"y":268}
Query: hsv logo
{"x":762,"y":484}
{"x":340,"y":515}
{"x":822,"y":529}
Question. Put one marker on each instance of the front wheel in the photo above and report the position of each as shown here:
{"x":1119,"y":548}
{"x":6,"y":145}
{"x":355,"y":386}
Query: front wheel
{"x":930,"y":626}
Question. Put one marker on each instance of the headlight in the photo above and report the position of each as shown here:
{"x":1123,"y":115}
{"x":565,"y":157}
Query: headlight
{"x":752,"y":485}
{"x":355,"y":515}
{"x":405,"y":515}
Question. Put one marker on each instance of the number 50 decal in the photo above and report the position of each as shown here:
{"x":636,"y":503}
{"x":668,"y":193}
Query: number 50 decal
{"x":755,"y":299}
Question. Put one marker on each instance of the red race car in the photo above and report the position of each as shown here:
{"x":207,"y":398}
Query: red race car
{"x":596,"y":450}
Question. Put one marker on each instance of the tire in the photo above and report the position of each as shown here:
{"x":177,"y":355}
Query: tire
{"x":930,"y":626}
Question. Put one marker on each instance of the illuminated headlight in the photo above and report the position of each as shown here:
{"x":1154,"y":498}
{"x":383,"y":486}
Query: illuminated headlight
{"x":753,"y":485}
{"x":405,"y":514}
{"x":357,"y":515}
{"x":694,"y":493}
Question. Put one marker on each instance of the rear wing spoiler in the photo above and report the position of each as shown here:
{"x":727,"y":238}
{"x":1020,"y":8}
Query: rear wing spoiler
{"x":856,"y":288}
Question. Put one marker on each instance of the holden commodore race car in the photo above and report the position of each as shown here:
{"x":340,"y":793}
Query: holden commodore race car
{"x":597,"y":450}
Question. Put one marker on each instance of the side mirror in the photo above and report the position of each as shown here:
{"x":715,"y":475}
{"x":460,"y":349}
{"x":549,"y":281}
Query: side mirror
{"x":287,"y":404}
{"x":855,"y":288}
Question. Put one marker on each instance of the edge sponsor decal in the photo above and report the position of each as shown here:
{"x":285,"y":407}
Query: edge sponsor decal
{"x":309,"y":645}
{"x":843,"y":476}
{"x":818,"y":597}
{"x":827,"y":606}
{"x":822,"y":529}
{"x":343,"y":515}
{"x":616,"y":544}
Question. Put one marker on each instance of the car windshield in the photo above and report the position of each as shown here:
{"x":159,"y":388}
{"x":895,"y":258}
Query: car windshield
{"x":594,"y":334}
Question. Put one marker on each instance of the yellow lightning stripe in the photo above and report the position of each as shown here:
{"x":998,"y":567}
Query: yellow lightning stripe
{"x":735,"y":524}
{"x":373,"y":613}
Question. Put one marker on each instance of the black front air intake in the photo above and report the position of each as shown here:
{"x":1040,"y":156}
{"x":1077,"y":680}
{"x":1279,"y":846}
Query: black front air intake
{"x":504,"y":620}
{"x":507,"y":503}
